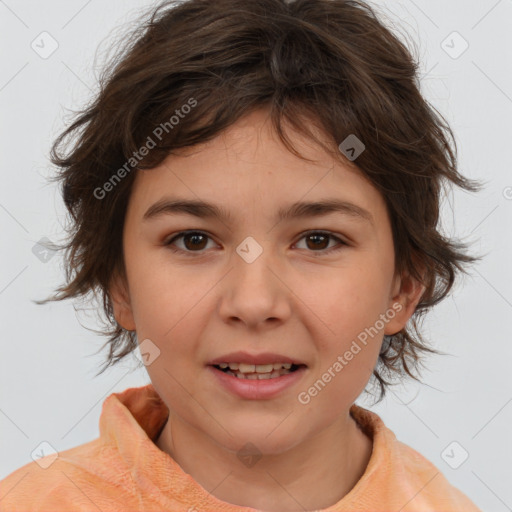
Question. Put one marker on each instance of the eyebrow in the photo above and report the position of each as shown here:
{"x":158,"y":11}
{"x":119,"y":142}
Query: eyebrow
{"x":202,"y":209}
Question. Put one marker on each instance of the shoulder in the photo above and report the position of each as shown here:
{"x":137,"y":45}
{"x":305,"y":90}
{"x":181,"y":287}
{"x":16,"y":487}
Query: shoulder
{"x":432,"y":487}
{"x":58,"y":482}
{"x":401,"y":477}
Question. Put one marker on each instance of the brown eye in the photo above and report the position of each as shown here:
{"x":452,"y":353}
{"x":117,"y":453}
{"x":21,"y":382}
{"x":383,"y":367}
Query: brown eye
{"x":318,"y":241}
{"x":193,"y":241}
{"x":197,"y":241}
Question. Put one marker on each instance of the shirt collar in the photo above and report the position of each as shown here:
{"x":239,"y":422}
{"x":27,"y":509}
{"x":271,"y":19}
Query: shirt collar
{"x":133,"y":419}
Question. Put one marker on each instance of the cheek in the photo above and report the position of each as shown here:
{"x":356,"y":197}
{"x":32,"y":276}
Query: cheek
{"x":158,"y":295}
{"x":354,"y":301}
{"x":350,"y":352}
{"x":167,"y":310}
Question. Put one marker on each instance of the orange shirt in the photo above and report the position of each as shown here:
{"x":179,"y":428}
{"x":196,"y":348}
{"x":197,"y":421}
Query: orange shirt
{"x":123,"y":470}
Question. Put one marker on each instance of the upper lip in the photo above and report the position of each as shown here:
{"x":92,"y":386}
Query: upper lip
{"x":262,"y":358}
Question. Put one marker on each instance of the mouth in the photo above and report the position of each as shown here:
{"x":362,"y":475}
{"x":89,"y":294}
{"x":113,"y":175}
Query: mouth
{"x":257,"y":372}
{"x":257,"y":382}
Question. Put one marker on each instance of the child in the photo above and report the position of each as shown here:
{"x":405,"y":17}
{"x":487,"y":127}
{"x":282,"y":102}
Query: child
{"x":289,"y":140}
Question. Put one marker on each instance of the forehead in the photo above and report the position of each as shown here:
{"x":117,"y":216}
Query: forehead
{"x":248,"y":169}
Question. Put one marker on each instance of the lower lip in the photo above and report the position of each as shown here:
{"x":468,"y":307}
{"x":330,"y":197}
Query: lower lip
{"x":255,"y":389}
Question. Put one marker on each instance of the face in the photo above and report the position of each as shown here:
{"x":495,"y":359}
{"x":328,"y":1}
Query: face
{"x":302,"y":287}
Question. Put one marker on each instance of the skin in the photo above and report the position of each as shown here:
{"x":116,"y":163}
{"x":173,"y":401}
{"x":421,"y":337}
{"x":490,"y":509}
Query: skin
{"x":297,"y":298}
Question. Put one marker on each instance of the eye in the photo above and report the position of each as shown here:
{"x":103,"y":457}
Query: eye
{"x":319,"y":239}
{"x":193,"y":240}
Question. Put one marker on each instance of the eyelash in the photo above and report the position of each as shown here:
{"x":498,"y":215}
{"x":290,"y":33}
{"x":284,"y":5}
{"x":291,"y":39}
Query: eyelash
{"x":321,"y":252}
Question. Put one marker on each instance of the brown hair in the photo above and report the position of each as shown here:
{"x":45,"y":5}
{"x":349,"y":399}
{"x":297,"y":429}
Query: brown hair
{"x":330,"y":62}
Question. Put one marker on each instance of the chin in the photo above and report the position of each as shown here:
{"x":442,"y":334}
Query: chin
{"x":251,"y":437}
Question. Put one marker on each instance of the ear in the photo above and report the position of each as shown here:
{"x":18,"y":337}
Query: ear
{"x":407,"y":292}
{"x":121,"y":303}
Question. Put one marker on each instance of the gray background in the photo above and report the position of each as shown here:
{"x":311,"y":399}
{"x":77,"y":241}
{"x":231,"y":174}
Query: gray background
{"x":48,"y":389}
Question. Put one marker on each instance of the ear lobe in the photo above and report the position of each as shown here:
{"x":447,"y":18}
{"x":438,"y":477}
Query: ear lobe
{"x":120,"y":297}
{"x":404,"y":303}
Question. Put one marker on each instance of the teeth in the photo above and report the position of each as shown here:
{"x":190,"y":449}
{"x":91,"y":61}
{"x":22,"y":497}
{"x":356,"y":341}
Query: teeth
{"x":256,"y":371}
{"x":255,"y":368}
{"x":264,"y":376}
{"x":246,"y":368}
{"x":264,"y":368}
{"x":259,"y":376}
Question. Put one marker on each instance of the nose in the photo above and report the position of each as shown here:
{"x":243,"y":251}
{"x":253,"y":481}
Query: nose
{"x":254,"y":292}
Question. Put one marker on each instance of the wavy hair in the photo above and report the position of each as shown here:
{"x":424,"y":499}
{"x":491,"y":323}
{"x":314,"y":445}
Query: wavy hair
{"x":333,"y":63}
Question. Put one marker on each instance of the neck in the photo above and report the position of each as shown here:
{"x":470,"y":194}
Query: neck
{"x":312,"y":475}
